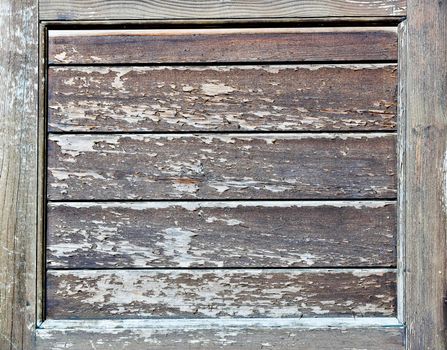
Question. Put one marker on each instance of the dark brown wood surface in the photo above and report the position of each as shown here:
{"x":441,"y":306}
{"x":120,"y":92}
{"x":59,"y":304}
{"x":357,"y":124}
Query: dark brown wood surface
{"x":221,"y":234}
{"x":222,"y":45}
{"x":18,"y":172}
{"x":216,"y":293}
{"x":217,"y":126}
{"x":223,"y":98}
{"x":214,"y":9}
{"x":242,"y":166}
{"x":213,"y":338}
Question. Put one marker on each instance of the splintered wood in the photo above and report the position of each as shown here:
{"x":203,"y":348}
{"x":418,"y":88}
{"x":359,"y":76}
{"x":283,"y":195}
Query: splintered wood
{"x":211,"y":173}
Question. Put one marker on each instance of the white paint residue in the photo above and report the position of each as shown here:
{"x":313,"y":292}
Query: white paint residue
{"x":308,"y":259}
{"x":211,"y":89}
{"x":229,"y":204}
{"x":183,"y":291}
{"x":277,"y":188}
{"x":74,"y":145}
{"x":220,"y":188}
{"x":61,"y":174}
{"x":61,"y":56}
{"x":176,"y":244}
{"x":191,"y":188}
{"x":229,"y":222}
{"x":118,"y":83}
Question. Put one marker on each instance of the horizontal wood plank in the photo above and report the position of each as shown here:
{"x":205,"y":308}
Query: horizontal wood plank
{"x":188,"y":9}
{"x":183,"y":335}
{"x":221,"y":234}
{"x":219,"y":293}
{"x":222,"y":45}
{"x":223,"y":98}
{"x":230,"y":166}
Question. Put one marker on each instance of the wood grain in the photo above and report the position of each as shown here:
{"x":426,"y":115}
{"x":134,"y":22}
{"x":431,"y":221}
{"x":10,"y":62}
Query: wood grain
{"x":401,"y":150}
{"x":426,"y":175}
{"x":188,"y":9}
{"x":223,"y":98}
{"x":222,"y":45}
{"x":219,"y":293}
{"x":18,"y":172}
{"x":160,"y":166}
{"x":252,"y":337}
{"x":221,"y":234}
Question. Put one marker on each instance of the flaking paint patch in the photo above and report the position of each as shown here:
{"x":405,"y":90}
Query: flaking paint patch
{"x":214,"y":293}
{"x":229,"y":222}
{"x":176,"y":244}
{"x":213,"y":89}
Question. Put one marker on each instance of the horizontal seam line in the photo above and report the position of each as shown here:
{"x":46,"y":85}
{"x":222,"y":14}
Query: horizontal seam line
{"x":223,"y":63}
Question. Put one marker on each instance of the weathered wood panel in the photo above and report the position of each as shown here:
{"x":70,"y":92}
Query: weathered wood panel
{"x":213,"y":335}
{"x":18,"y":172}
{"x":219,"y":293}
{"x":188,"y":9}
{"x":426,"y":175}
{"x":223,"y":98}
{"x":222,"y":45}
{"x":216,"y":166}
{"x":221,"y":234}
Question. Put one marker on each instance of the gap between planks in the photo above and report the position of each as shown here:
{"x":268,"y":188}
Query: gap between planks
{"x":228,"y":63}
{"x":158,"y":24}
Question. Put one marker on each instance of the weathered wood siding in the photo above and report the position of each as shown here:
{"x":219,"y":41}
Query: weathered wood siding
{"x":223,"y":98}
{"x":215,"y":9}
{"x":220,"y":293}
{"x":180,"y":166}
{"x":221,"y":234}
{"x":212,"y":173}
{"x":222,"y":45}
{"x":18,"y":172}
{"x":212,"y":337}
{"x":425,"y":170}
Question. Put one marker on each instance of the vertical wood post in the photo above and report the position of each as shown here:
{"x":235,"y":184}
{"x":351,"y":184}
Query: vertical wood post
{"x":18,"y":171}
{"x":426,"y":171}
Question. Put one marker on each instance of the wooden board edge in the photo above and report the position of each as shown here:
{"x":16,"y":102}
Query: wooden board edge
{"x":401,"y":188}
{"x":223,"y":22}
{"x":41,"y":178}
{"x":372,"y":333}
{"x":184,"y":9}
{"x":19,"y":98}
{"x":426,"y":181}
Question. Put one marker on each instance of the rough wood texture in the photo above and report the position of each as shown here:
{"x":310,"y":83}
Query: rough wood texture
{"x":219,"y":293}
{"x":221,"y":234}
{"x":401,"y":149}
{"x":18,"y":172}
{"x":149,"y":9}
{"x":426,"y":170}
{"x":242,"y":166}
{"x":223,"y":98}
{"x":212,"y":338}
{"x":222,"y":45}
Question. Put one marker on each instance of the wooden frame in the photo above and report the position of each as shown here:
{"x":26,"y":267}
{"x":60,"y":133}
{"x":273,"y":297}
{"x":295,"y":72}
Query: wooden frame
{"x":425,"y":174}
{"x":423,"y":70}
